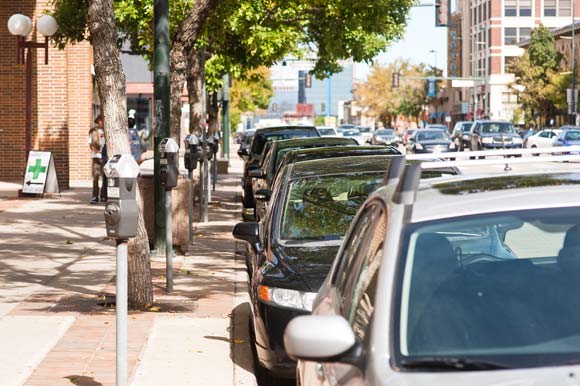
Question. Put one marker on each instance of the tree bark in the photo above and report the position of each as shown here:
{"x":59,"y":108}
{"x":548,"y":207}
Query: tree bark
{"x":213,"y":114}
{"x":183,"y":43}
{"x":111,"y":87}
{"x":195,"y":75}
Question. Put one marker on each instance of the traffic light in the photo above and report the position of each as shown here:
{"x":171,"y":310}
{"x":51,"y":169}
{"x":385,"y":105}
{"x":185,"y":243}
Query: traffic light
{"x":395,"y":80}
{"x":308,"y":80}
{"x":442,"y":13}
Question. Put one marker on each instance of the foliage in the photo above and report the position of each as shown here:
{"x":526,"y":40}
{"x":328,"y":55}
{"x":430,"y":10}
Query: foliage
{"x":540,"y":85}
{"x":384,"y":102}
{"x":249,"y":93}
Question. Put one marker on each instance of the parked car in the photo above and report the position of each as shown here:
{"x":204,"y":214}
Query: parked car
{"x":430,"y":141}
{"x":311,"y":206}
{"x":405,"y":304}
{"x":460,"y":135}
{"x":568,"y":137}
{"x":353,"y":133}
{"x":494,"y":135}
{"x":544,"y":138}
{"x":327,"y":131}
{"x":254,"y":154}
{"x":407,"y":134}
{"x":345,"y":126}
{"x":245,"y":142}
{"x":263,"y":176}
{"x":366,"y":133}
{"x":385,"y":137}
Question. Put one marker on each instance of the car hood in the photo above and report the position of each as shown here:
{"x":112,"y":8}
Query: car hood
{"x":311,"y":264}
{"x":433,"y":143}
{"x":505,"y":135}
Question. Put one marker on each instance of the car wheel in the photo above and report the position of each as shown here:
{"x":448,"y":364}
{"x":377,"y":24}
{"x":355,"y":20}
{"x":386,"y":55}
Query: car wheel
{"x":480,"y":148}
{"x":535,"y":154}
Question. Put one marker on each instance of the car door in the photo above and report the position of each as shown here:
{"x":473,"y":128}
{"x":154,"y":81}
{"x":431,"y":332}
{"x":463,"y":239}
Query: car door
{"x":353,"y":290}
{"x":544,"y":139}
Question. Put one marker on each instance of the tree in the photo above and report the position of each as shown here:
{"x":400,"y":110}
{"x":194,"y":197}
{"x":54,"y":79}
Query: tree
{"x":250,"y":92}
{"x":112,"y":92}
{"x":540,"y":86}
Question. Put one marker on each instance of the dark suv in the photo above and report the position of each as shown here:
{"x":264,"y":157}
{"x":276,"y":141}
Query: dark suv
{"x":261,"y":137}
{"x":485,"y":135}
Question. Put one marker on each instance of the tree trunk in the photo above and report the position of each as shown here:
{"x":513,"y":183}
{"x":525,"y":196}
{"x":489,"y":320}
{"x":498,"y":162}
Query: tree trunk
{"x":183,"y":43}
{"x":111,"y":87}
{"x":195,"y":75}
{"x":213,"y":114}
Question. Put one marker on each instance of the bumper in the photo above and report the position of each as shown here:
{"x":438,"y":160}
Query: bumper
{"x":434,"y":151}
{"x":269,"y":325}
{"x":501,"y":146}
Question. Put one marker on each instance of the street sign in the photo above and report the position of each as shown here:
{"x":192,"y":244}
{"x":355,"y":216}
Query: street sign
{"x":40,"y":175}
{"x":431,"y":92}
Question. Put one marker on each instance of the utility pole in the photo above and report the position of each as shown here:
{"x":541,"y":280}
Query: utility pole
{"x":161,"y":96}
{"x":226,"y":118}
{"x":573,"y":86}
{"x":486,"y":69}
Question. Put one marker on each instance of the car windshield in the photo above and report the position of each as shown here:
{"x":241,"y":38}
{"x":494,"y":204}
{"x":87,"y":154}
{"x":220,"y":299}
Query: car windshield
{"x":260,"y":140}
{"x":364,"y":129}
{"x":327,"y":131}
{"x":497,"y":127}
{"x":385,"y":133}
{"x":322,"y":207}
{"x":572,"y":135}
{"x":498,"y":287}
{"x":350,"y":132}
{"x":466,"y":126}
{"x":432,"y":135}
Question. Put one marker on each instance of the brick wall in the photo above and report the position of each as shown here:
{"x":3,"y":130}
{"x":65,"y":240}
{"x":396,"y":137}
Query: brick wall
{"x":61,"y":101}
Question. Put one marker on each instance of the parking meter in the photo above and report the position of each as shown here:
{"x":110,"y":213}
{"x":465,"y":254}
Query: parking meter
{"x":215,"y":144}
{"x":168,"y":160}
{"x":192,"y":151}
{"x":121,"y":211}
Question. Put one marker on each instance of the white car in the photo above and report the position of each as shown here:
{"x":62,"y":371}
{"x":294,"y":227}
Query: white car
{"x":327,"y":131}
{"x":458,"y":282}
{"x":355,"y":134}
{"x":543,"y":138}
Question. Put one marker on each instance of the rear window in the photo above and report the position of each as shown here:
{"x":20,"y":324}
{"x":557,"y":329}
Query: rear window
{"x":260,"y":140}
{"x":572,"y":135}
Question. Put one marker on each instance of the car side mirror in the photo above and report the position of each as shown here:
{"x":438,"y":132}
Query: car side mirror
{"x":257,"y":173}
{"x":243,"y":152}
{"x":263,"y":195}
{"x":249,"y":232}
{"x":323,"y":338}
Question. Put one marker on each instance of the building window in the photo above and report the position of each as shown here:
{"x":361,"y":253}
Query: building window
{"x":518,"y":8}
{"x":557,"y":8}
{"x":525,"y":34}
{"x":510,"y":36}
{"x":525,"y":7}
{"x":511,"y":8}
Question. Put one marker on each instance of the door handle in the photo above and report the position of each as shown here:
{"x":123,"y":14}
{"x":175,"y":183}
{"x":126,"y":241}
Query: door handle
{"x":319,"y":369}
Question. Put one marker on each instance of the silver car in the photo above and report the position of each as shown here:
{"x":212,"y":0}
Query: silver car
{"x":458,"y":281}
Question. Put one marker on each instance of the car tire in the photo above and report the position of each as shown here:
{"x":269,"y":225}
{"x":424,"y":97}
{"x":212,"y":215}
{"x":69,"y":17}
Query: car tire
{"x":480,"y":148}
{"x":535,"y":154}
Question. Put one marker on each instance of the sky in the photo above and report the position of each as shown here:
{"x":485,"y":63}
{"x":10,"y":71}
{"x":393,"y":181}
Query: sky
{"x":421,"y":36}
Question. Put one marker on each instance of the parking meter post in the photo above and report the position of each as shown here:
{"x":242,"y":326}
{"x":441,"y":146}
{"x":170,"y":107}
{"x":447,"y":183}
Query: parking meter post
{"x":205,"y":175}
{"x":169,"y":174}
{"x":190,"y":161}
{"x":190,"y":176}
{"x":121,"y":313}
{"x":168,"y":242}
{"x":121,"y":220}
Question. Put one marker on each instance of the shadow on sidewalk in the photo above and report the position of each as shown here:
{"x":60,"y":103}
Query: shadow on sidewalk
{"x":81,"y":380}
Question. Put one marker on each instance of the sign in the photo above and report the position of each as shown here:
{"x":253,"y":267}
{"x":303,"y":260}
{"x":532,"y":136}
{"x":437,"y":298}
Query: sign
{"x":431,"y":92}
{"x":459,"y":83}
{"x":40,"y":175}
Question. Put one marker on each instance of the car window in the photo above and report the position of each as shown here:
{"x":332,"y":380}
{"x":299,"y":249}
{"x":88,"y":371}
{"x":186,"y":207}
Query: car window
{"x":572,"y":135}
{"x":431,"y":135}
{"x":483,"y":305}
{"x":497,"y":127}
{"x":322,"y":207}
{"x":544,"y":134}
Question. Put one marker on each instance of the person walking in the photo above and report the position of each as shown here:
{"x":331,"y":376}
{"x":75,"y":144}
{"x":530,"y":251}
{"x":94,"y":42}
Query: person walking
{"x":96,"y":144}
{"x":138,"y":147}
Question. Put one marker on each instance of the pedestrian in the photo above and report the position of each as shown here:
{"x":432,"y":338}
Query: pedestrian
{"x":138,"y":147}
{"x":96,"y":144}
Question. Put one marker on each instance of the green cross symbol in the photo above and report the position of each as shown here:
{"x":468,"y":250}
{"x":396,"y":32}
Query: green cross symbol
{"x":36,"y":169}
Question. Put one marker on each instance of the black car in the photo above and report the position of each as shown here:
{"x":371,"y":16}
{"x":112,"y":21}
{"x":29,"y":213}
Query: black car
{"x":486,"y":135}
{"x":263,"y":176}
{"x":385,"y":137}
{"x":254,"y":153}
{"x":460,"y":135}
{"x":430,"y":141}
{"x":245,"y":142}
{"x":311,"y":207}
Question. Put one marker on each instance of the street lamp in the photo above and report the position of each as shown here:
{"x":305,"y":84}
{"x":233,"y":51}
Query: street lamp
{"x":21,"y":26}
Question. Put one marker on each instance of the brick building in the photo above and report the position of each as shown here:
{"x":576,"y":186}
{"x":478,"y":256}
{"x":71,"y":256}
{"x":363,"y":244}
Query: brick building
{"x":491,"y":31}
{"x":62,"y":101}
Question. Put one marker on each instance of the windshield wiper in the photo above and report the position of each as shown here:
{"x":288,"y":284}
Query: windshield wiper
{"x":451,"y":363}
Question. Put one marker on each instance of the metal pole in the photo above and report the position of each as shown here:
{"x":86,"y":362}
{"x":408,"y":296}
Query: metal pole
{"x":168,"y":242}
{"x":473,"y":74}
{"x":573,"y":98}
{"x":161,"y":95}
{"x":328,"y":94}
{"x":121,"y":313}
{"x":190,"y":175}
{"x":485,"y":100}
{"x":28,"y":103}
{"x":204,"y":169}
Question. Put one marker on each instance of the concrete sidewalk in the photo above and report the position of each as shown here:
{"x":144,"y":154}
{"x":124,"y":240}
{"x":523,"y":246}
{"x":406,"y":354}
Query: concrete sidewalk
{"x":55,"y":268}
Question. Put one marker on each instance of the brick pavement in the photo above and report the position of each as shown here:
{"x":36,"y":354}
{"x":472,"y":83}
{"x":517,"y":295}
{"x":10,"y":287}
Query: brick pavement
{"x":56,"y":266}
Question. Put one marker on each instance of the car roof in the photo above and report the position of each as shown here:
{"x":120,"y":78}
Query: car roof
{"x":470,"y":195}
{"x":279,"y":129}
{"x":341,"y":151}
{"x":313,"y":141}
{"x":352,"y":164}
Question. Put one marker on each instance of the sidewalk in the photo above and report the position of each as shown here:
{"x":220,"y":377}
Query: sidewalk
{"x":55,"y":267}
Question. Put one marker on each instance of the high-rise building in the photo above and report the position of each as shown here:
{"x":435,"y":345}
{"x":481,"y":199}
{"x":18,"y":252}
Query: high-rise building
{"x":491,"y":31}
